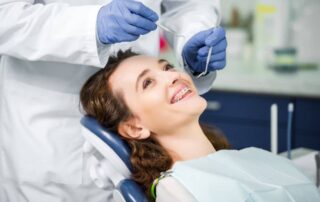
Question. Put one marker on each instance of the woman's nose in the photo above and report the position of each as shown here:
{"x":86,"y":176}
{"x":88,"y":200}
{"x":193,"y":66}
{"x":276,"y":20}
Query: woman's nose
{"x":172,"y":77}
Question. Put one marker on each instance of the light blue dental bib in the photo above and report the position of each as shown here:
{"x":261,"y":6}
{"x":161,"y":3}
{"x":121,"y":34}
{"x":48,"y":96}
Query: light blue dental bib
{"x":246,"y":175}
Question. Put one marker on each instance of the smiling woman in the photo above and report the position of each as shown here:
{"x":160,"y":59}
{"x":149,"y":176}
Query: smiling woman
{"x":155,"y":108}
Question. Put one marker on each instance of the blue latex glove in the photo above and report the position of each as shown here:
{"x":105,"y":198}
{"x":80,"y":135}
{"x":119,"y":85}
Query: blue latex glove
{"x":124,"y":20}
{"x":195,"y":51}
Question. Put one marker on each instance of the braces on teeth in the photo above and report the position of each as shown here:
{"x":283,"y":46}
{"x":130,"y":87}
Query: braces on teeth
{"x":181,"y":94}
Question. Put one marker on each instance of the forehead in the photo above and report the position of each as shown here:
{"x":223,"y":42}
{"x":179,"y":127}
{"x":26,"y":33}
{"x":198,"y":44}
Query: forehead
{"x":126,"y":74}
{"x":137,"y":63}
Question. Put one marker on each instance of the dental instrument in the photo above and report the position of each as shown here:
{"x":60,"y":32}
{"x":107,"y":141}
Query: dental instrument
{"x":207,"y":63}
{"x":289,"y":129}
{"x":169,"y":30}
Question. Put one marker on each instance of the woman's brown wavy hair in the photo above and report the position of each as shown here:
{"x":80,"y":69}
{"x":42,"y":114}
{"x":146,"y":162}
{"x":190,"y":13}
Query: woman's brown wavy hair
{"x":148,"y":157}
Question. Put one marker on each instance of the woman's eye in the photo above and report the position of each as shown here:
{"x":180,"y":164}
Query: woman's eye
{"x":146,"y":83}
{"x":168,"y":67}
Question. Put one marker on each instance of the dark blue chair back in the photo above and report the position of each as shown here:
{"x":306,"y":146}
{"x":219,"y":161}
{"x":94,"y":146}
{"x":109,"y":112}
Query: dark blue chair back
{"x":129,"y":189}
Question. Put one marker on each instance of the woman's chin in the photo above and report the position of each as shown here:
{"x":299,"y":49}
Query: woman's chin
{"x":196,"y":104}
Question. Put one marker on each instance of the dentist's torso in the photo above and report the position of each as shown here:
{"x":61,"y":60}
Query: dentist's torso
{"x":40,"y":135}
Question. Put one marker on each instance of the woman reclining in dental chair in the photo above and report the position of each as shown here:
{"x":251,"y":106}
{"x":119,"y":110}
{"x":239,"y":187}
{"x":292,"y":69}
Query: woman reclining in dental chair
{"x":156,"y":109}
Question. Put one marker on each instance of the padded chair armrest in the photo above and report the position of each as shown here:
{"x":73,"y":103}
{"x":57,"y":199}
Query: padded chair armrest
{"x":101,"y":138}
{"x":119,"y":146}
{"x":131,"y":191}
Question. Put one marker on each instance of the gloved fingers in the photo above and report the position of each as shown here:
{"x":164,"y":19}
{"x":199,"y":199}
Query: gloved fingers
{"x":198,"y":40}
{"x":214,"y":57}
{"x":131,"y":29}
{"x":203,"y":51}
{"x":129,"y":37}
{"x":135,"y":24}
{"x":217,"y":34}
{"x":217,"y":65}
{"x":135,"y":30}
{"x":140,"y":9}
{"x":220,"y":47}
{"x":140,"y":22}
{"x":199,"y":67}
{"x":196,"y":50}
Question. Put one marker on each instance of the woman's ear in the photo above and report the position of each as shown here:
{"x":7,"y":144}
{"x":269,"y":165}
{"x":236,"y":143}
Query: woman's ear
{"x":133,"y":129}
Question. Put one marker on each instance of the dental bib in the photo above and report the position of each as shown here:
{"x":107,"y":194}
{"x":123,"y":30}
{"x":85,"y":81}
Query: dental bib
{"x":244,"y":175}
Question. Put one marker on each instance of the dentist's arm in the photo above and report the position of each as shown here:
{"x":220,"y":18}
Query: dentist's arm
{"x":54,"y":32}
{"x":195,"y":20}
{"x":64,"y":33}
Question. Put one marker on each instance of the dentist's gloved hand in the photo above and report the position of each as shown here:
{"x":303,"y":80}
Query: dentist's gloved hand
{"x":124,"y":20}
{"x":195,"y":51}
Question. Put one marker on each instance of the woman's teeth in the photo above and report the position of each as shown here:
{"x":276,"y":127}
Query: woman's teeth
{"x":181,"y":94}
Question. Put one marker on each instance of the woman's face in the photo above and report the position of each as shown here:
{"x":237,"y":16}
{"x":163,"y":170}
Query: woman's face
{"x":162,"y":98}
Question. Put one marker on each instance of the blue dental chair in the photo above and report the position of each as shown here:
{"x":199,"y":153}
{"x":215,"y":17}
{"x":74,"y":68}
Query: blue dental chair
{"x":113,"y":166}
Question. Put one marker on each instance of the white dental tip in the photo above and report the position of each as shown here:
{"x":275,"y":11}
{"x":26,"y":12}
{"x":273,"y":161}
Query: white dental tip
{"x":290,"y":107}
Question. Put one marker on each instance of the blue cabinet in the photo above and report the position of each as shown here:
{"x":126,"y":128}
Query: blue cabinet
{"x":307,"y":123}
{"x":245,"y":119}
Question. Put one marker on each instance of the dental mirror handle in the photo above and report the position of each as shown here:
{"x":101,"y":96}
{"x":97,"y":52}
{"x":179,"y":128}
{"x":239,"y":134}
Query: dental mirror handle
{"x":169,"y":30}
{"x":207,"y":63}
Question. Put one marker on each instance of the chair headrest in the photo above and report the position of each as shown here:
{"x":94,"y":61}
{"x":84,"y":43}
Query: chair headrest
{"x":118,"y":145}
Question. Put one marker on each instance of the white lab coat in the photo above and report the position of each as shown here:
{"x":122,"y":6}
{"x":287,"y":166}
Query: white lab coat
{"x":48,"y":49}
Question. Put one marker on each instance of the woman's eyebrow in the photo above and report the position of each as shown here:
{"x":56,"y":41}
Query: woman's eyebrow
{"x":162,"y":61}
{"x":144,"y":72}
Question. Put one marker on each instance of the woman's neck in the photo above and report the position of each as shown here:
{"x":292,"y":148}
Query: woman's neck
{"x":186,"y":143}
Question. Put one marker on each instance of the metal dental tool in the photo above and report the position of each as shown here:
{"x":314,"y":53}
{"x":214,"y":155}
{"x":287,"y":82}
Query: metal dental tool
{"x":169,"y":30}
{"x":207,"y":63}
{"x":289,"y":129}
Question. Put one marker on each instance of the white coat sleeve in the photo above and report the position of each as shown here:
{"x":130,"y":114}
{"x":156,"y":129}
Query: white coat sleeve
{"x":55,"y":32}
{"x":169,"y":189}
{"x":187,"y":18}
